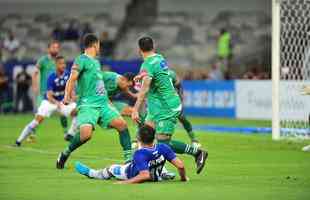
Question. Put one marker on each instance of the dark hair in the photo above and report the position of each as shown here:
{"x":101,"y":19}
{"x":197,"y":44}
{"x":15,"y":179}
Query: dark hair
{"x":129,"y":76}
{"x":146,"y":44}
{"x":59,"y":57}
{"x":89,"y":40}
{"x":146,"y":134}
{"x":49,"y":44}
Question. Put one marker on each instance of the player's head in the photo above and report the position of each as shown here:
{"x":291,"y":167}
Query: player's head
{"x":146,"y":44}
{"x":129,"y":76}
{"x":60,"y":63}
{"x":146,"y":135}
{"x":91,"y":41}
{"x":53,"y":48}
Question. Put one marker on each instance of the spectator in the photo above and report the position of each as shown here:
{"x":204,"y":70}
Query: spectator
{"x":4,"y":88}
{"x":255,"y":73}
{"x":23,"y":82}
{"x":215,"y":72}
{"x":58,"y":33}
{"x":106,"y":45}
{"x":224,"y":48}
{"x":72,"y":32}
{"x":11,"y":46}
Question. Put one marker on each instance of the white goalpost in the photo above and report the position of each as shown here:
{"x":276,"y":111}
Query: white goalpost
{"x":290,"y":68}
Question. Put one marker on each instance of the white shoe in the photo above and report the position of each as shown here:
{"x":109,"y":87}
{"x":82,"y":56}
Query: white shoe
{"x":306,"y":148}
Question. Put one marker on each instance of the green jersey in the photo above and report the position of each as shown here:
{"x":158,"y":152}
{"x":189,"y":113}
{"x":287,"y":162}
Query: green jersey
{"x":90,"y":86}
{"x":110,"y":82}
{"x":46,"y":65}
{"x":172,"y":76}
{"x":162,"y":95}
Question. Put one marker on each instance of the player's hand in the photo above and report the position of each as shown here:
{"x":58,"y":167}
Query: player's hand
{"x":59,"y":105}
{"x":305,"y":90}
{"x":66,"y":100}
{"x":135,"y":116}
{"x":119,"y":182}
{"x":137,"y":78}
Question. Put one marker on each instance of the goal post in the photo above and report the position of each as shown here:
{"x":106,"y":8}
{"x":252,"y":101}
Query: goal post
{"x":275,"y":68}
{"x":290,"y":68}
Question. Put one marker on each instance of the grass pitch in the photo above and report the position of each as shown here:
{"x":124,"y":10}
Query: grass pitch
{"x":239,"y":166}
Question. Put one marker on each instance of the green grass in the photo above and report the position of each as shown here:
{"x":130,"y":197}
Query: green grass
{"x":239,"y":167}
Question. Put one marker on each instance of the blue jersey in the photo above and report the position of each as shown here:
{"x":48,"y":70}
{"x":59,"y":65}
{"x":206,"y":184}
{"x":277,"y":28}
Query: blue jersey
{"x":152,"y":159}
{"x":57,"y":85}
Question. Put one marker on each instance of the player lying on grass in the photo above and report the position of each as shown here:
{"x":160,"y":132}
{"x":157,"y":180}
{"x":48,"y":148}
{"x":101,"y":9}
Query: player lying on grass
{"x":147,"y":163}
{"x":116,"y":84}
{"x":305,"y":90}
{"x":163,"y":103}
{"x":44,"y":67}
{"x":94,"y":106}
{"x":52,"y":102}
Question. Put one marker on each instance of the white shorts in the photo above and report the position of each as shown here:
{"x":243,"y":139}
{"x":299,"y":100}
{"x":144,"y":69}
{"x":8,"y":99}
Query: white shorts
{"x":119,"y":171}
{"x":46,"y":108}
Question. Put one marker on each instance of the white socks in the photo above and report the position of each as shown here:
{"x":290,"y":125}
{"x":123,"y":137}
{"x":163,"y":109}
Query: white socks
{"x":102,"y":174}
{"x":73,"y":127}
{"x":27,"y":130}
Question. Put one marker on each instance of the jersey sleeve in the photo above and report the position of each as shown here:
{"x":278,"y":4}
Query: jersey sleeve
{"x":39,"y":63}
{"x":140,"y":160}
{"x":146,"y":70}
{"x":50,"y":83}
{"x":167,"y":152}
{"x":78,"y":64}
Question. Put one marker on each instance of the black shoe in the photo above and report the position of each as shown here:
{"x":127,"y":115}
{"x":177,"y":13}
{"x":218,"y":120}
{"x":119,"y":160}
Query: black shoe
{"x":16,"y":144}
{"x":200,"y":159}
{"x":61,"y":160}
{"x":68,"y":137}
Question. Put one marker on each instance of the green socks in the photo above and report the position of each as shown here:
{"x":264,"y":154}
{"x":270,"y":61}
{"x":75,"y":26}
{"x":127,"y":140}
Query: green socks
{"x":125,"y":141}
{"x":74,"y":144}
{"x":180,"y":147}
{"x":188,"y":127}
{"x":64,"y":123}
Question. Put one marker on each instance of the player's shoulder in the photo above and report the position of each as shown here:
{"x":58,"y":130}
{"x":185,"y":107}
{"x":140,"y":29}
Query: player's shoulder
{"x":42,"y":59}
{"x":161,"y":147}
{"x":52,"y":75}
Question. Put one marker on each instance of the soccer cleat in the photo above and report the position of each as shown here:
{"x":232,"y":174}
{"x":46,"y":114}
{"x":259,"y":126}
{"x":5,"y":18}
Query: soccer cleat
{"x":61,"y":160}
{"x":68,"y":137}
{"x":168,"y":176}
{"x":82,"y":169}
{"x":17,"y":144}
{"x":306,"y":148}
{"x":200,"y":159}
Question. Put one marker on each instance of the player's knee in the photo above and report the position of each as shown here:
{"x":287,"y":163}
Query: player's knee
{"x":73,"y":113}
{"x":39,"y":119}
{"x":119,"y":124}
{"x":86,"y":133}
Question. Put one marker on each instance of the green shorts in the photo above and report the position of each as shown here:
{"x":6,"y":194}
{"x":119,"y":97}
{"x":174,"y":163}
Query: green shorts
{"x":163,"y":125}
{"x":119,"y":105}
{"x":102,"y":116}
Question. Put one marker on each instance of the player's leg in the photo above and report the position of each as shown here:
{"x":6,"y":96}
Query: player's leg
{"x":45,"y":110}
{"x":111,"y":118}
{"x":64,"y":123}
{"x":86,"y":119}
{"x":164,"y":131}
{"x":123,"y":108}
{"x":103,"y":174}
{"x":189,"y":129}
{"x":70,"y":111}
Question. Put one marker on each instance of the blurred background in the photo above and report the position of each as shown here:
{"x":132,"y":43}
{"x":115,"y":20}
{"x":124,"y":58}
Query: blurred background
{"x":202,"y":40}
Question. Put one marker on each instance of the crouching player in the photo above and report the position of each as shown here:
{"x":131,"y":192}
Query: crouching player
{"x":147,"y":163}
{"x":56,"y":84}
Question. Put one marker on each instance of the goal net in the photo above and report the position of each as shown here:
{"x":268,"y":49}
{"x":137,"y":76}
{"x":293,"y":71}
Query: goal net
{"x":291,"y":68}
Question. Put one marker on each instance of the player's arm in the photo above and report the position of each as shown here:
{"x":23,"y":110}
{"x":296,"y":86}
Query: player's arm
{"x":50,"y":98}
{"x":178,"y":163}
{"x":36,"y":79}
{"x":69,"y":90}
{"x":146,"y":82}
{"x":140,"y":178}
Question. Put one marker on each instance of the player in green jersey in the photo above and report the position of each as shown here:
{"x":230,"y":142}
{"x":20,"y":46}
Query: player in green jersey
{"x":93,"y":103}
{"x":163,"y":102}
{"x":116,"y":84}
{"x":45,"y":65}
{"x":182,"y":118}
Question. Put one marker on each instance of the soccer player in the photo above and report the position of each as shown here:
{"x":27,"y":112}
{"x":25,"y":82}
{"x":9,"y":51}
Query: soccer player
{"x":147,"y":163}
{"x":163,"y":102}
{"x":93,"y":103}
{"x":56,"y":83}
{"x":46,"y":65}
{"x":115,"y":84}
{"x":182,"y":118}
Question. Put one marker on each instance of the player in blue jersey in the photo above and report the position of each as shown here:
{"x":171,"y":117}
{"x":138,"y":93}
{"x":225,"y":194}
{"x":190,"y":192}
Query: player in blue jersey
{"x":53,"y":97}
{"x":147,"y":163}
